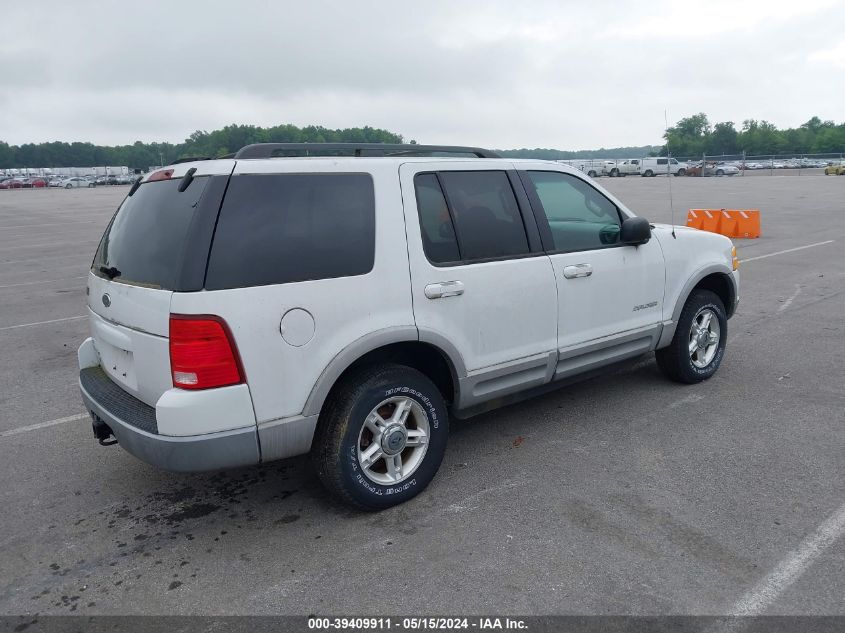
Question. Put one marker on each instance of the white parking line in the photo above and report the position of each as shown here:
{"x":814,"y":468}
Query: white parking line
{"x":788,"y":250}
{"x":792,"y":298}
{"x":41,"y":425}
{"x":48,"y":244}
{"x":791,"y":568}
{"x":87,"y":256}
{"x":12,"y":327}
{"x":46,"y":281}
{"x":35,"y":226}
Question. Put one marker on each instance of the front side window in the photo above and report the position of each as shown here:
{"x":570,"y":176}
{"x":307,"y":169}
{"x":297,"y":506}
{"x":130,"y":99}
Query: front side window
{"x":580,"y":218}
{"x":282,"y":228}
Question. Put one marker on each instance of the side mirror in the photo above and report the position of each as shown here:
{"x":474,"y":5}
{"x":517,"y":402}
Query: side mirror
{"x":635,"y":231}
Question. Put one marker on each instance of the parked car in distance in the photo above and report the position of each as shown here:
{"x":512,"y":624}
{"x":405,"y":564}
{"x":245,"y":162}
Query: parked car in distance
{"x":836,"y":169}
{"x":11,"y":183}
{"x":712,"y":169}
{"x":217,"y":342}
{"x":74,"y":182}
{"x":34,"y":183}
{"x":657,"y":166}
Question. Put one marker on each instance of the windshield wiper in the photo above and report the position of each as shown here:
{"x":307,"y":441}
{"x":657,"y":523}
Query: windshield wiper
{"x":111,"y":273}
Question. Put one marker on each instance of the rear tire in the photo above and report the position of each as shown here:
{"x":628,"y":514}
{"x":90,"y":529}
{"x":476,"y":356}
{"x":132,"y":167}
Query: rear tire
{"x":591,"y":174}
{"x":697,"y":349}
{"x":648,"y":173}
{"x":68,"y":186}
{"x":381,"y":437}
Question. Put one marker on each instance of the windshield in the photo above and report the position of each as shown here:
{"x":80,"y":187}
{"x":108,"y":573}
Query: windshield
{"x":145,"y":240}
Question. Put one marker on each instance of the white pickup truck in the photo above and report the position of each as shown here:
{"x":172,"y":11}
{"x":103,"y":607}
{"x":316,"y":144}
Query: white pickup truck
{"x":629,"y":167}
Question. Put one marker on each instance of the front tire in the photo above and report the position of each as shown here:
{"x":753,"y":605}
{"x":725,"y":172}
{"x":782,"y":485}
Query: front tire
{"x":697,"y":349}
{"x":381,"y":437}
{"x":648,"y":173}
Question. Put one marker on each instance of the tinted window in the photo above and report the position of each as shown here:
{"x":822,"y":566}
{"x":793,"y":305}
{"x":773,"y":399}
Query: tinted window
{"x":438,"y":233}
{"x":580,"y":218}
{"x":146,"y":239}
{"x":662,"y":161}
{"x":485,"y":213}
{"x":279,"y":228}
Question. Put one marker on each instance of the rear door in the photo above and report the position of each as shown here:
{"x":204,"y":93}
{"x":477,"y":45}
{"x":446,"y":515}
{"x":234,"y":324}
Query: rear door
{"x":479,"y":277}
{"x":156,"y":243}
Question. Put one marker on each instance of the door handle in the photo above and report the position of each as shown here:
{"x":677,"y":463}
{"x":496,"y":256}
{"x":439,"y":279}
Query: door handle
{"x":578,"y":270}
{"x":444,"y":289}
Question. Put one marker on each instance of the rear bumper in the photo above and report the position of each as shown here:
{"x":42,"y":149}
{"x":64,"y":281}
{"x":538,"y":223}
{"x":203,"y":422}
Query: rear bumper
{"x":133,"y":424}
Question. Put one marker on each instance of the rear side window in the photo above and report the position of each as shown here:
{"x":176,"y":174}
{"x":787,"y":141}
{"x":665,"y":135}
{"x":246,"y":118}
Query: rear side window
{"x":438,"y":233}
{"x":146,"y":240}
{"x":485,"y":214}
{"x":281,"y":228}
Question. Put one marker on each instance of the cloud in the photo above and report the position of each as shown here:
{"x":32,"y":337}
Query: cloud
{"x":567,"y":75}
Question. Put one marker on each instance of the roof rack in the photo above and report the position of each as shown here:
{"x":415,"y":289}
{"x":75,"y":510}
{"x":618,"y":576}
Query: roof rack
{"x":190,"y":159}
{"x":279,"y":150}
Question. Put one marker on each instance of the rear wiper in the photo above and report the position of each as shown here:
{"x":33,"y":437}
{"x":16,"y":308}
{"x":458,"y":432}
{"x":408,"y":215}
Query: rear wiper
{"x":111,"y":273}
{"x":187,"y":179}
{"x":135,"y":186}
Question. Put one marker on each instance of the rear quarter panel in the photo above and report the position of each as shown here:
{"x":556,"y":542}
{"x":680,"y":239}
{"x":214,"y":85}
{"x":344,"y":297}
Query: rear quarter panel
{"x":282,"y":375}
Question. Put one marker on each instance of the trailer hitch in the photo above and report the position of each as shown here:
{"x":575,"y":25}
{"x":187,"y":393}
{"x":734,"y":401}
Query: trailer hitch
{"x":102,"y":432}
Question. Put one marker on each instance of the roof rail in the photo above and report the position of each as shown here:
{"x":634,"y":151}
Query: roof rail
{"x":279,"y":150}
{"x":190,"y":159}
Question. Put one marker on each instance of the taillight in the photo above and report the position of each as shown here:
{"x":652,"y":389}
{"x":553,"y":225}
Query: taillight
{"x":202,"y":353}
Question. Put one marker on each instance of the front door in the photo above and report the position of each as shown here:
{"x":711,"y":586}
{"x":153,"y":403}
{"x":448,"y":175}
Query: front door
{"x":606,"y":290}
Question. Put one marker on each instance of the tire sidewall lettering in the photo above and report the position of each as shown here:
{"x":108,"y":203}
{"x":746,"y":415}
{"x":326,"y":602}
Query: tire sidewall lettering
{"x":405,"y":488}
{"x":713,"y":365}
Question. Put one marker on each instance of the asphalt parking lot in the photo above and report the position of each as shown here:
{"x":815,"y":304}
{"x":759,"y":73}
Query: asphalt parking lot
{"x":623,"y":494}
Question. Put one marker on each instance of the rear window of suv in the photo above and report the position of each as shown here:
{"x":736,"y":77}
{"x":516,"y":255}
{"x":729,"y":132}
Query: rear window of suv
{"x":282,"y":228}
{"x":145,"y":241}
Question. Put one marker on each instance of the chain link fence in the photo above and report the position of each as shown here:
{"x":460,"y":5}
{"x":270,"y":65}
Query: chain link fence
{"x":709,"y":165}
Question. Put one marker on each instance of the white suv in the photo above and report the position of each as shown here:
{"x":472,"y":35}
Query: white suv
{"x":279,"y":303}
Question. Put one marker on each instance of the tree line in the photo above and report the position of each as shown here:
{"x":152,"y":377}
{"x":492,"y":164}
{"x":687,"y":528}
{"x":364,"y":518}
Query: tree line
{"x":694,"y":136}
{"x":557,"y":154}
{"x":691,"y":136}
{"x":201,"y":143}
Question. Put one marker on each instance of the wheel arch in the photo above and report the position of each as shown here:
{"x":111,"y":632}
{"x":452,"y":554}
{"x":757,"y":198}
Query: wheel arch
{"x":717,"y":279}
{"x":429,"y":353}
{"x":722,"y":285}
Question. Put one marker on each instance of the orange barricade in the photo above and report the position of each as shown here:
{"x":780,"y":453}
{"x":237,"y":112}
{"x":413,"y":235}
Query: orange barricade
{"x":730,"y":222}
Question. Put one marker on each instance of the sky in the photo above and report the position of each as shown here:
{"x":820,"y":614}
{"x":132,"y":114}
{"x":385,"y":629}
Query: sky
{"x":559,"y":74}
